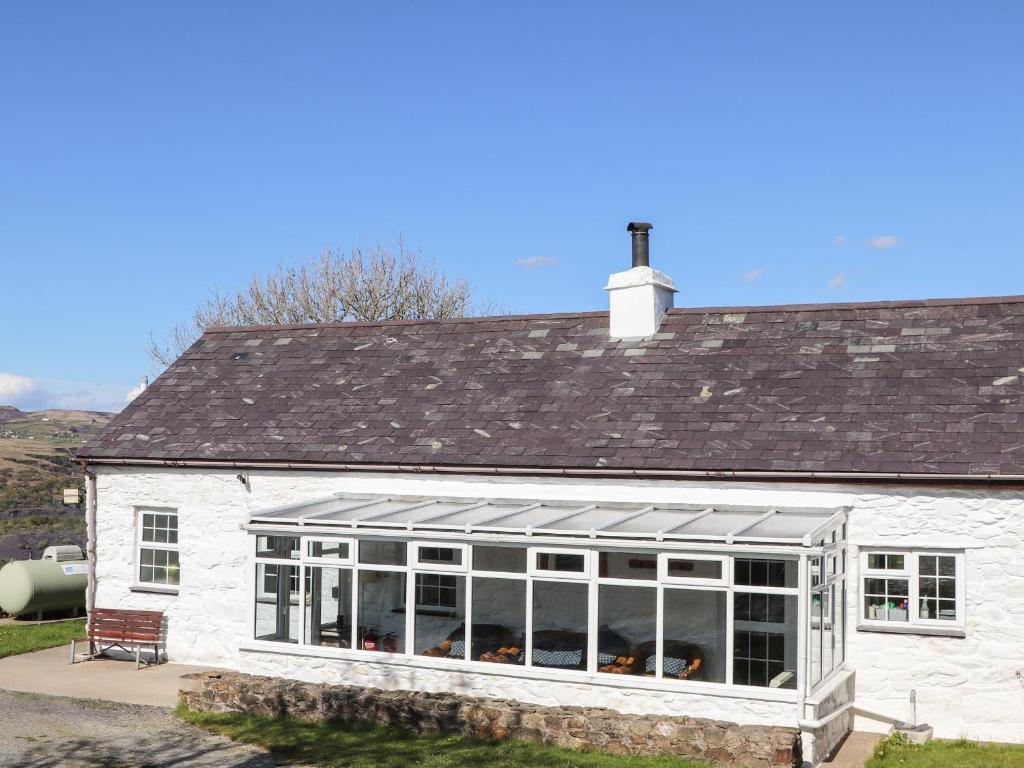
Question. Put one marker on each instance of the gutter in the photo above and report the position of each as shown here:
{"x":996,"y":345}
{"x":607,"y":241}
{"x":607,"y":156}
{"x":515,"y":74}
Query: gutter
{"x":646,"y":474}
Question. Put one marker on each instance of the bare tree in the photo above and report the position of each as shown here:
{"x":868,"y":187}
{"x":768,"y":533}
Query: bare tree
{"x":386,"y":282}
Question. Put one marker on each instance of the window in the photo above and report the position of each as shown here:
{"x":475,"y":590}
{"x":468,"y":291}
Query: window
{"x":330,"y":551}
{"x":560,"y":624}
{"x":433,"y":557}
{"x":435,"y":590}
{"x":440,"y":618}
{"x":765,"y":608}
{"x":670,"y":617}
{"x":909,"y":589}
{"x":568,"y":563}
{"x":627,"y":628}
{"x":328,"y":607}
{"x":693,"y":569}
{"x":158,"y":548}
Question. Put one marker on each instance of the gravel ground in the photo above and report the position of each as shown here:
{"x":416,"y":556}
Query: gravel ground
{"x":38,"y":731}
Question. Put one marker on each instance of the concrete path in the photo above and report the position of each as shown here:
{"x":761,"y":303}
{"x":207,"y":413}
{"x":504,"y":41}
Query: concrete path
{"x":48,"y":672}
{"x":855,"y":750}
{"x":40,"y":731}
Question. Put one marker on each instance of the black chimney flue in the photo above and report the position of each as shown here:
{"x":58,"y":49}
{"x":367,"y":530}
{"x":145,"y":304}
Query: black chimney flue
{"x":641,"y":248}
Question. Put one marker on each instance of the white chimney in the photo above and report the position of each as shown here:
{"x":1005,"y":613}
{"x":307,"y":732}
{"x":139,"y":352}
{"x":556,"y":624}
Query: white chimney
{"x":640,"y":296}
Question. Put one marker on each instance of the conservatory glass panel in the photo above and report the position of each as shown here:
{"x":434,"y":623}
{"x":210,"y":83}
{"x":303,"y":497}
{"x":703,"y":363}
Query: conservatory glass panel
{"x":499,"y":559}
{"x":440,"y":619}
{"x":374,"y":552}
{"x":381,"y":611}
{"x":499,"y":620}
{"x":279,"y":547}
{"x":717,"y":524}
{"x":790,"y":526}
{"x":471,"y":516}
{"x":414,"y":515}
{"x":277,"y":615}
{"x":584,"y":521}
{"x":758,"y":572}
{"x":653,"y":521}
{"x":627,"y":621}
{"x":694,"y":636}
{"x":560,"y":624}
{"x":328,"y":604}
{"x":628,"y":565}
{"x":765,"y":640}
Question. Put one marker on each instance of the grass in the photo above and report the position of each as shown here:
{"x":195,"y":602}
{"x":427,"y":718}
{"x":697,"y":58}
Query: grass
{"x":24,"y":638}
{"x":334,"y":746}
{"x":894,"y":752}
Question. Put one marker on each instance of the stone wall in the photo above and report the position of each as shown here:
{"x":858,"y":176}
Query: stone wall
{"x":727,"y":744}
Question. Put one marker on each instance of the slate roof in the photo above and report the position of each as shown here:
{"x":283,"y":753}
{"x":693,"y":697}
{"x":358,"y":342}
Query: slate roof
{"x":897,"y":387}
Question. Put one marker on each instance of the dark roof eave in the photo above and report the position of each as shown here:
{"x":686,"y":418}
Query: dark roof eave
{"x":578,"y":472}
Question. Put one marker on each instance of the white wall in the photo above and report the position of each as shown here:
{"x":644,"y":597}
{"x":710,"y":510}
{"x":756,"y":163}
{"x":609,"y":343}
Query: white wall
{"x":964,"y":686}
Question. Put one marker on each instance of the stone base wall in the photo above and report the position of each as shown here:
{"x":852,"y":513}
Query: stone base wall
{"x":725,"y":743}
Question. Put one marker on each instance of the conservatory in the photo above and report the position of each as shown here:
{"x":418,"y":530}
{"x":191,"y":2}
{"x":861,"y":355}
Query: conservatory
{"x":664,"y":596}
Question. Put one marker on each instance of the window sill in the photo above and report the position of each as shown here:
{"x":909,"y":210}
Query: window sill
{"x":912,"y":630}
{"x":156,"y":589}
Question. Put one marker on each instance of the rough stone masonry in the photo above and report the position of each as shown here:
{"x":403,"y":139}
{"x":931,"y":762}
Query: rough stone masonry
{"x":725,"y":743}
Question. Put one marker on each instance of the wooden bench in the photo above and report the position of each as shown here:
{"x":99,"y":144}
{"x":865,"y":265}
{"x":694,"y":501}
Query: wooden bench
{"x":128,"y":630}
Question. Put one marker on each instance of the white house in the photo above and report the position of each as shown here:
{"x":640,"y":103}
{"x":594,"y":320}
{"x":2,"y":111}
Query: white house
{"x":796,"y":515}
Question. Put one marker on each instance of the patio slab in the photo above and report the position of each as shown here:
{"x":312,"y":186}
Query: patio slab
{"x":48,"y":672}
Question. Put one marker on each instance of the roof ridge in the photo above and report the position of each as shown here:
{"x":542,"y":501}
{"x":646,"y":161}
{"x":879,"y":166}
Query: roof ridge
{"x":810,"y":307}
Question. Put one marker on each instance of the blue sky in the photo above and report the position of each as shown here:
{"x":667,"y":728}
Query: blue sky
{"x":785,"y":152}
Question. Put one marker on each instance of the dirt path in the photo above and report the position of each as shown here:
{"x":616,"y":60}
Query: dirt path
{"x":37,"y":731}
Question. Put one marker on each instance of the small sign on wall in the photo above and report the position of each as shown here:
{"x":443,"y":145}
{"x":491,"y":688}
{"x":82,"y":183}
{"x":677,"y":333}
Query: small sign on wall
{"x":72,"y":496}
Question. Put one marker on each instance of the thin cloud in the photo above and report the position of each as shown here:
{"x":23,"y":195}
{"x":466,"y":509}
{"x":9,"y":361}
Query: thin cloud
{"x":536,"y":261}
{"x":18,"y":390}
{"x":881,"y":242}
{"x":837,"y":282}
{"x":839,"y":240}
{"x":752,"y":275}
{"x":137,"y":389}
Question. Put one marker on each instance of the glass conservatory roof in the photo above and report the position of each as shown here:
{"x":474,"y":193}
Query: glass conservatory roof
{"x":621,"y":520}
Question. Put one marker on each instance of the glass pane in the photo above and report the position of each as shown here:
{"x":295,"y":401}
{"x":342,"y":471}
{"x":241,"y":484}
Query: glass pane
{"x":694,"y":569}
{"x":628,"y":565}
{"x":331,"y":550}
{"x":885,"y":562}
{"x":926,"y":565}
{"x":816,"y":637}
{"x":764,"y":652}
{"x":766,"y":573}
{"x":499,"y":619}
{"x":173,"y":569}
{"x":549,"y":561}
{"x":560,"y":624}
{"x":627,"y":617}
{"x":281,"y":547}
{"x":146,"y":574}
{"x":147,"y":556}
{"x":694,"y":636}
{"x":382,"y":552}
{"x":886,"y":599}
{"x":500,"y":559}
{"x":440,"y":556}
{"x":329,"y":607}
{"x":947,"y":566}
{"x":441,"y":631}
{"x":947,"y":588}
{"x":381,"y":611}
{"x":947,"y":610}
{"x":277,"y":615}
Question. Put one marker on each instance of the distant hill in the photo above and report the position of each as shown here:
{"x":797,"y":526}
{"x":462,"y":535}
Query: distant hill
{"x":36,"y":463}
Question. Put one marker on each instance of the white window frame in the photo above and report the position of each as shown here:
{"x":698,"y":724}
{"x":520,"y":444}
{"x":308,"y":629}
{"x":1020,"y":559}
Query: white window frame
{"x":544,"y":573}
{"x":694,"y":581}
{"x":140,"y":512}
{"x":416,"y":565}
{"x":307,"y":541}
{"x":911,"y":572}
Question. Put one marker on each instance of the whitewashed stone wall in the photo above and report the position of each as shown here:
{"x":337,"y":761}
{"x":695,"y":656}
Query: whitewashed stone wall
{"x":965,"y":686}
